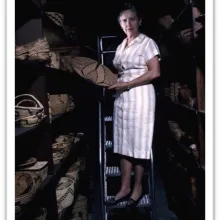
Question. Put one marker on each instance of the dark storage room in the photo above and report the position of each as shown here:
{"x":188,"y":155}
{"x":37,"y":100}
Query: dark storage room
{"x":110,"y":110}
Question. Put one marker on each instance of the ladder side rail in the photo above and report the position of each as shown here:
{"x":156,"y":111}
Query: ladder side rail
{"x":101,"y":168}
{"x":152,"y":186}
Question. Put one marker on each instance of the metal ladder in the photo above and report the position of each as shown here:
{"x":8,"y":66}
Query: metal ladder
{"x":106,"y":145}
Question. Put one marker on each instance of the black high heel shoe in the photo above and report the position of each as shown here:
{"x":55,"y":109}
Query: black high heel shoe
{"x":131,"y":203}
{"x":113,"y":201}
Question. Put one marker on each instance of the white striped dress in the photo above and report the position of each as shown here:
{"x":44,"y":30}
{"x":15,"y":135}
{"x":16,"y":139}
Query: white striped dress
{"x":133,"y":118}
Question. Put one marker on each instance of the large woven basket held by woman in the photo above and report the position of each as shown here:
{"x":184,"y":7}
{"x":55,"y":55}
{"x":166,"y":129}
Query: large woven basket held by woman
{"x":28,"y":110}
{"x":93,"y":71}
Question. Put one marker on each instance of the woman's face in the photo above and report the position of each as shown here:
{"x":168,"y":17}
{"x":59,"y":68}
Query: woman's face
{"x":129,"y":22}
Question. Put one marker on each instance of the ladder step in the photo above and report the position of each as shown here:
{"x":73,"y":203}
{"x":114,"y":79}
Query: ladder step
{"x":108,"y":118}
{"x":112,"y":171}
{"x":115,"y":171}
{"x":145,"y":202}
{"x":111,"y":36}
{"x":108,"y":51}
{"x":108,"y":144}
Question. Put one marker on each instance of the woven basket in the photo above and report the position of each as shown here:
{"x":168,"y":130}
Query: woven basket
{"x":21,"y":53}
{"x":166,"y":21}
{"x":58,"y":103}
{"x":59,"y":156}
{"x":38,"y":50}
{"x":42,"y":215}
{"x":49,"y":108}
{"x":185,"y":36}
{"x":57,"y":18}
{"x":26,"y":186}
{"x":29,"y":111}
{"x":71,"y":104}
{"x":82,"y":163}
{"x":176,"y":131}
{"x":73,"y":172}
{"x":70,"y":32}
{"x":54,"y":60}
{"x":65,"y":146}
{"x":65,"y":193}
{"x":65,"y":138}
{"x":66,"y":63}
{"x":40,"y":168}
{"x":185,"y":96}
{"x":185,"y":93}
{"x":80,"y":209}
{"x":22,"y":182}
{"x":28,"y":163}
{"x":93,"y":71}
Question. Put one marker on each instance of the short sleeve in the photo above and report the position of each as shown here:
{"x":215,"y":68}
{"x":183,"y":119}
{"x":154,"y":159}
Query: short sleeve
{"x":115,"y":59}
{"x":116,"y":53}
{"x":151,"y":50}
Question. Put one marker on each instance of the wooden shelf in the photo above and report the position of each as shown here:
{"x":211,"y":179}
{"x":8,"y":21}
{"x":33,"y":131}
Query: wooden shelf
{"x":56,"y":117}
{"x":22,"y":131}
{"x":38,"y":66}
{"x":64,"y":49}
{"x":39,"y":69}
{"x":176,"y":104}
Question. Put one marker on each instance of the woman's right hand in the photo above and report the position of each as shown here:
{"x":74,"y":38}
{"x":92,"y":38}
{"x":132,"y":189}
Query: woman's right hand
{"x":119,"y":86}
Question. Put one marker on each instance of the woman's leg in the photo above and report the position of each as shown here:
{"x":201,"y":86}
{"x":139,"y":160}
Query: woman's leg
{"x":139,"y":172}
{"x":126,"y":168}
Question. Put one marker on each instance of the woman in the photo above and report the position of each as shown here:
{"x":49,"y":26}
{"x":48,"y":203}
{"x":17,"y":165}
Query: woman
{"x":137,"y":62}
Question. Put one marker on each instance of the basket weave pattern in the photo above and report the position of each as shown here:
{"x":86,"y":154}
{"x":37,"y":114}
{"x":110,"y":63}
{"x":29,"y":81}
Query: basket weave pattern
{"x":65,"y":193}
{"x":26,"y":186}
{"x":58,"y":103}
{"x":37,"y":50}
{"x":61,"y":147}
{"x":93,"y":71}
{"x":29,"y":111}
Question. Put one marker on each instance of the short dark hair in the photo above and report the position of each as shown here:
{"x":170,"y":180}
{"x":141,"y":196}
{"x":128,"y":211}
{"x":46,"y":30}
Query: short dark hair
{"x":128,"y":6}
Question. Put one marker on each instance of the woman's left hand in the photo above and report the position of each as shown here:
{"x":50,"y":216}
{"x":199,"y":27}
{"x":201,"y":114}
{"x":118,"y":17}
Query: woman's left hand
{"x":119,"y":86}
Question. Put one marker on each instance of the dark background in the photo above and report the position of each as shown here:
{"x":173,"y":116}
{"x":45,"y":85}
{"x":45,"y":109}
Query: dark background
{"x":100,"y":17}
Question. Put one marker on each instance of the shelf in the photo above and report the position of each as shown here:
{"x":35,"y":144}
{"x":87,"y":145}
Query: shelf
{"x":21,"y":131}
{"x":55,"y":117}
{"x":201,"y":111}
{"x":184,"y":106}
{"x":176,"y":104}
{"x":29,"y":205}
{"x":40,"y":69}
{"x":43,"y":69}
{"x":64,"y":49}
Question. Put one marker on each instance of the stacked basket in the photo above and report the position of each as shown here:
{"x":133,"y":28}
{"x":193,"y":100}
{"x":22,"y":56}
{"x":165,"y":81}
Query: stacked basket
{"x":65,"y":193}
{"x":80,"y":209}
{"x":61,"y":147}
{"x":26,"y":186}
{"x":37,"y":50}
